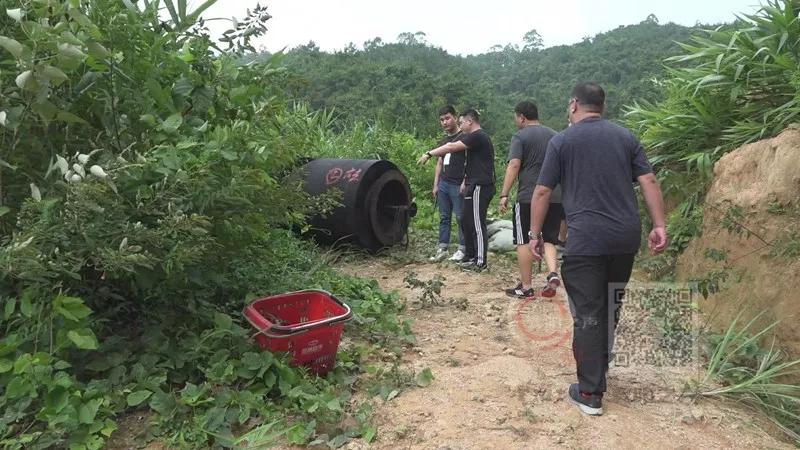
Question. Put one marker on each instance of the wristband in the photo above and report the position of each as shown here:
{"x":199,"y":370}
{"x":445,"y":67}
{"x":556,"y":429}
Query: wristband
{"x":429,"y":154}
{"x":503,"y":196}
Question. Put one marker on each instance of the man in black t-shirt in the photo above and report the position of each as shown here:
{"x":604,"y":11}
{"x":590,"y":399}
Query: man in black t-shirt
{"x":478,"y":185}
{"x":596,"y":163}
{"x":446,"y":183}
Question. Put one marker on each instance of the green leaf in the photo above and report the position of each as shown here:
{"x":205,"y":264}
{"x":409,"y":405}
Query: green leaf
{"x":6,"y":365}
{"x":334,"y":405}
{"x":70,"y":51}
{"x":25,"y":305}
{"x":162,"y":403}
{"x":172,"y":123}
{"x":9,"y":307}
{"x":223,"y":321}
{"x":369,"y":433}
{"x":182,"y":87}
{"x":424,"y":378}
{"x":55,"y":75}
{"x":83,"y":338}
{"x":72,"y":308}
{"x":158,"y":94}
{"x":79,"y":17}
{"x":109,"y":427}
{"x":17,"y":387}
{"x":22,"y":363}
{"x":12,"y":46}
{"x":88,"y":411}
{"x":62,"y":365}
{"x":45,"y":109}
{"x":57,"y":399}
{"x":136,"y":398}
{"x":96,"y":50}
{"x":69,"y":117}
{"x":338,"y":441}
{"x":4,"y":210}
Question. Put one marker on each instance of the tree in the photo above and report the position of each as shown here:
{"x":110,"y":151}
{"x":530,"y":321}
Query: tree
{"x":408,"y":38}
{"x":532,"y":41}
{"x":373,"y":43}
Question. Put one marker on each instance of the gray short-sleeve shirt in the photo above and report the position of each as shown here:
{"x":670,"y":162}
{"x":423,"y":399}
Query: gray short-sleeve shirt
{"x":529,"y":145}
{"x":596,"y":162}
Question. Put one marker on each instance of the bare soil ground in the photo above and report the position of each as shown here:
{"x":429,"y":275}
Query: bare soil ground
{"x":502,"y":368}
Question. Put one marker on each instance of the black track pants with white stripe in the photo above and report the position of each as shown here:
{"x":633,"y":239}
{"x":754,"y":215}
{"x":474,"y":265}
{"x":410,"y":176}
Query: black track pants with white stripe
{"x":476,"y":203}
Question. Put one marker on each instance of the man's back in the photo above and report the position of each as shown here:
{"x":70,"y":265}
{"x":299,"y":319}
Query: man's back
{"x":529,"y":145}
{"x":596,"y":163}
{"x":480,"y":158}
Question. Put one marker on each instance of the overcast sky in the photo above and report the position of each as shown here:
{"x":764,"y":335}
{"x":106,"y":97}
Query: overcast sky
{"x":466,"y":26}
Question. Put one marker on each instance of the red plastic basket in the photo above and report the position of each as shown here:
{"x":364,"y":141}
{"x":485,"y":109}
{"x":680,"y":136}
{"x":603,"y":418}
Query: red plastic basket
{"x":306,"y":324}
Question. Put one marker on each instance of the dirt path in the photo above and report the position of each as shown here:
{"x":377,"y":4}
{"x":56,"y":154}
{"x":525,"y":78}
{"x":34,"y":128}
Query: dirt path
{"x":502,"y":368}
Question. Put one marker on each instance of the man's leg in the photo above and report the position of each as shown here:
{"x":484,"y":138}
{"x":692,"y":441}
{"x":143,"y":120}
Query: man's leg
{"x":587,"y":288}
{"x":521,"y":221}
{"x":618,"y":273}
{"x":468,"y":223}
{"x":445,"y":212}
{"x":484,"y":194}
{"x":550,"y":230}
{"x":458,"y":209}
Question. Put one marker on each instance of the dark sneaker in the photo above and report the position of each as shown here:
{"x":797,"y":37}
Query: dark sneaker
{"x":473,"y":266}
{"x":518,"y":292}
{"x":466,"y":262}
{"x":588,"y":403}
{"x":511,"y":291}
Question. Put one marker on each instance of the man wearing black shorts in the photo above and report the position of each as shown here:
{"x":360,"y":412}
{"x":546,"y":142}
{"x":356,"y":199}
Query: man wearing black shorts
{"x":477,"y":187}
{"x":596,"y":163}
{"x":525,"y":157}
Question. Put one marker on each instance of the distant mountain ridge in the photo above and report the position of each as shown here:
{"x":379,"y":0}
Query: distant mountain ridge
{"x":402,"y":84}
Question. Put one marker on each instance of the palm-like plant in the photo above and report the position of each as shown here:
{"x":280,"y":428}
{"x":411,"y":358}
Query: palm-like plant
{"x":733,"y":85}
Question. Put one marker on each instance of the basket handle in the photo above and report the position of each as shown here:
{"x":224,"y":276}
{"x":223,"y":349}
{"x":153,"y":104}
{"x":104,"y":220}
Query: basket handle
{"x":265,"y":331}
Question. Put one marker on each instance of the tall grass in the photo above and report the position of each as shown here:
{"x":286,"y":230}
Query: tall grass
{"x":732,"y":85}
{"x":761,"y":378}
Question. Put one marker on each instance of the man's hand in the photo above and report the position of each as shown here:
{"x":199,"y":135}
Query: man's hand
{"x":463,"y":188}
{"x":503,"y":205}
{"x":657,"y":242}
{"x":537,"y":248}
{"x":435,"y":190}
{"x":423,"y":159}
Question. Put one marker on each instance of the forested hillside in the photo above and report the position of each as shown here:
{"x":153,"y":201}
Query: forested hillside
{"x":401,"y":84}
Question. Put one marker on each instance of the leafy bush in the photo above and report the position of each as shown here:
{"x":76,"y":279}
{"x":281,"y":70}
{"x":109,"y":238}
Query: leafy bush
{"x":143,"y":202}
{"x":732,"y":85}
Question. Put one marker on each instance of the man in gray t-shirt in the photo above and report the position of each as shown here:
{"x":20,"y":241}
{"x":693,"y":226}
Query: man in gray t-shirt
{"x":596,"y":163}
{"x":525,"y":157}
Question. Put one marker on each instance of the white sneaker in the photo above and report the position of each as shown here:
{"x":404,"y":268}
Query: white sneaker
{"x":457,"y":256}
{"x":441,"y":253}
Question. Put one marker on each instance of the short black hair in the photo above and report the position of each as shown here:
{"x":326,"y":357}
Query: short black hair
{"x":449,"y":109}
{"x":472,"y":114}
{"x":590,"y":95}
{"x":527,"y":109}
